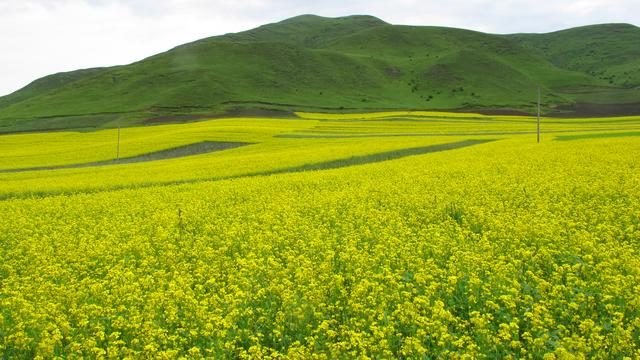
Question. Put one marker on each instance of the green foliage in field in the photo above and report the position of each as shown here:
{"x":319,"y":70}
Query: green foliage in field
{"x":343,"y":64}
{"x":503,"y":249}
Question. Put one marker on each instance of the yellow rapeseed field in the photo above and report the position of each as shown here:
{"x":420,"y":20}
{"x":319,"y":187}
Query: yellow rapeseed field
{"x":502,"y":249}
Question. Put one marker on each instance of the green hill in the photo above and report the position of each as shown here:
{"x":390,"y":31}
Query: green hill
{"x":344,"y":64}
{"x":609,"y":52}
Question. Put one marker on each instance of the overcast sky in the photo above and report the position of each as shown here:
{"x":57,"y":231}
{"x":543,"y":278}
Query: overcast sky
{"x":40,"y":37}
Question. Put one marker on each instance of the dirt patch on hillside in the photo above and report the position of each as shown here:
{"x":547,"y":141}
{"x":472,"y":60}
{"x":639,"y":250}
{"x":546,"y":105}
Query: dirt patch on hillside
{"x":580,"y":110}
{"x":175,"y":119}
{"x":393,"y":72}
{"x":258,"y":112}
{"x":491,"y":111}
{"x":597,"y":110}
{"x":233,"y":113}
{"x":442,"y":74}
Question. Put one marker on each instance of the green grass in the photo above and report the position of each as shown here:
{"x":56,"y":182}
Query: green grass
{"x":344,"y":64}
{"x":603,"y":51}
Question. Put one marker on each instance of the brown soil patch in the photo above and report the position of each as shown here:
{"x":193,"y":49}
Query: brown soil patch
{"x":597,"y":110}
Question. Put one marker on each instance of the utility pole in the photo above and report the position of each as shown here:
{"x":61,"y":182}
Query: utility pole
{"x":538,"y":114}
{"x":118,"y":148}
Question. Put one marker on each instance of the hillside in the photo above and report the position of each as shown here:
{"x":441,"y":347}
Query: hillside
{"x":344,"y":64}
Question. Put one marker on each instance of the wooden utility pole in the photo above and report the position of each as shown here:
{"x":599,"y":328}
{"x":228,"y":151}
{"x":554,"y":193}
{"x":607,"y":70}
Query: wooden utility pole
{"x":118,"y":148}
{"x":538,"y":114}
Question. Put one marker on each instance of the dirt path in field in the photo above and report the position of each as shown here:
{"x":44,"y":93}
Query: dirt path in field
{"x":377,"y":157}
{"x":325,"y":165}
{"x":177,"y":152}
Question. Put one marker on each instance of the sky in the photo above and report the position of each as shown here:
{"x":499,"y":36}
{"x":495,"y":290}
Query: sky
{"x":41,"y":37}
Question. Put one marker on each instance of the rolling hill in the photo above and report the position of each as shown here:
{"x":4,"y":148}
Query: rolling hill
{"x":354,"y":63}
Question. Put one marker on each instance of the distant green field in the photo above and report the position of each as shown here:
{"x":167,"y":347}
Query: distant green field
{"x":330,"y":236}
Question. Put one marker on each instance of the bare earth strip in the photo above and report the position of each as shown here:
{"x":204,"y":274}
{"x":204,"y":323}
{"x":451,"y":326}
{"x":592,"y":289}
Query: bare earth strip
{"x":378,"y":157}
{"x":180,"y":151}
{"x":325,"y":165}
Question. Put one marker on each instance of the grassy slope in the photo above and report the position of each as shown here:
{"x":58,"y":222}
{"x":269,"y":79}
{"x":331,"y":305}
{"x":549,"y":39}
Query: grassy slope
{"x":47,"y":84}
{"x":310,"y":62}
{"x":461,"y":68}
{"x":609,"y":52}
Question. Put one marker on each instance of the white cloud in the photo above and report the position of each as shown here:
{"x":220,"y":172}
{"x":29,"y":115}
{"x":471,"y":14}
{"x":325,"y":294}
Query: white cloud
{"x":41,"y":37}
{"x":62,"y":35}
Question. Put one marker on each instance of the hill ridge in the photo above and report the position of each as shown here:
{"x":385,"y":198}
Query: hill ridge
{"x":356,"y":62}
